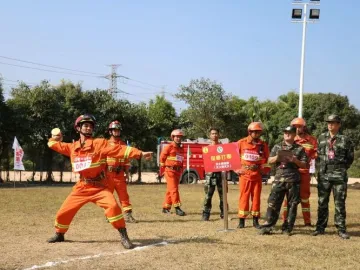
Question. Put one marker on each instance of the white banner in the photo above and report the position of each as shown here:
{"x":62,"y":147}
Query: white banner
{"x":18,"y":156}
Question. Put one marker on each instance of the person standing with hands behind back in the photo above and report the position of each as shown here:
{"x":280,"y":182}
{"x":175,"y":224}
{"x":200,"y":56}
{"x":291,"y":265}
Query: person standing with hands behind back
{"x":335,"y":156}
{"x":172,"y":157}
{"x":212,"y":180}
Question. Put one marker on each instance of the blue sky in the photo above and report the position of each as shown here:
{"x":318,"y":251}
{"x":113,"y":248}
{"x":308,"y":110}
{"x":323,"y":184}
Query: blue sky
{"x":250,"y":47}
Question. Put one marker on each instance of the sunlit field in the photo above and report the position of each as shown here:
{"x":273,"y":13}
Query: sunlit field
{"x":165,"y":241}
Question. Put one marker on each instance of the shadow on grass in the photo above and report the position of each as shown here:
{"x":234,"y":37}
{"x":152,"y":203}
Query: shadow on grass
{"x":198,"y":240}
{"x":158,"y":240}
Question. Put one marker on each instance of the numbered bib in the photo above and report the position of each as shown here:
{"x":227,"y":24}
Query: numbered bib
{"x":251,"y":155}
{"x":81,"y":163}
{"x":179,"y":158}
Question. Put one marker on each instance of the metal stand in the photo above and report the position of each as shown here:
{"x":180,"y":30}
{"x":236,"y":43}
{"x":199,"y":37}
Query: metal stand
{"x":225,"y":204}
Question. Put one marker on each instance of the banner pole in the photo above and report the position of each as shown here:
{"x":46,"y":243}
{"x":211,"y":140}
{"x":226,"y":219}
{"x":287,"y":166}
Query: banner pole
{"x":225,"y":203}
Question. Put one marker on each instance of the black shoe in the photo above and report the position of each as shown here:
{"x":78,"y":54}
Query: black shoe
{"x":285,"y":226}
{"x":58,"y":237}
{"x":256,"y":222}
{"x":129,"y":218}
{"x":179,"y":212}
{"x":166,"y":211}
{"x":343,"y":235}
{"x":287,"y":232}
{"x":241,"y":223}
{"x":265,"y":231}
{"x":222,"y":214}
{"x":317,"y":232}
{"x":124,"y":239}
{"x":205,"y":216}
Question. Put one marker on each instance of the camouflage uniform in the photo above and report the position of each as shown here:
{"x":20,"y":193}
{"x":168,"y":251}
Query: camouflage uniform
{"x":335,"y":156}
{"x":286,"y":183}
{"x":212,"y":180}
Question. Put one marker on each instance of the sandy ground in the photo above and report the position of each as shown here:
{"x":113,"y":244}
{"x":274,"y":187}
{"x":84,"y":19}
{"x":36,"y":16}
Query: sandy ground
{"x":146,"y":177}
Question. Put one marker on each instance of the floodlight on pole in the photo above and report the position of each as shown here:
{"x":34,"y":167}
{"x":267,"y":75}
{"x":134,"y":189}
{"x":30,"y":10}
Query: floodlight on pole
{"x":300,"y":16}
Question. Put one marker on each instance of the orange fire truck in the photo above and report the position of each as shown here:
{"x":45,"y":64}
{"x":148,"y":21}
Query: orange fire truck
{"x":196,"y":164}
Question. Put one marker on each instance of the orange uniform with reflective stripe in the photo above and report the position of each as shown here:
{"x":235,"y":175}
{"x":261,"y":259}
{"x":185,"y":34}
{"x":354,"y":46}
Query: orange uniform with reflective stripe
{"x":118,"y":179}
{"x":93,"y":185}
{"x":310,"y":145}
{"x":172,"y":157}
{"x":254,"y":157}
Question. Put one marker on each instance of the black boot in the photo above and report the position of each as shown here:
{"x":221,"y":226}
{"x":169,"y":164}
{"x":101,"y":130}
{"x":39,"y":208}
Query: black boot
{"x":256,"y":222}
{"x":129,"y":218}
{"x":179,"y":212}
{"x":58,"y":237}
{"x":166,"y":211}
{"x":205,"y":216}
{"x":241,"y":223}
{"x":222,"y":210}
{"x":343,"y":235}
{"x":284,"y":226}
{"x":124,"y":239}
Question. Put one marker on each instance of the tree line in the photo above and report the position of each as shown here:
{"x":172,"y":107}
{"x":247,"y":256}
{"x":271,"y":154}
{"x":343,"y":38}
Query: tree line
{"x":31,"y":112}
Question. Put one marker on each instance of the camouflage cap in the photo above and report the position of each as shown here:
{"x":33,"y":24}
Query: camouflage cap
{"x":333,"y":118}
{"x":290,"y":129}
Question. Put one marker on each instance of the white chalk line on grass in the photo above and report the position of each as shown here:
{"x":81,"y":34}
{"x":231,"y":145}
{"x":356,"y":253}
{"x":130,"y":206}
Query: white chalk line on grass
{"x":51,"y":264}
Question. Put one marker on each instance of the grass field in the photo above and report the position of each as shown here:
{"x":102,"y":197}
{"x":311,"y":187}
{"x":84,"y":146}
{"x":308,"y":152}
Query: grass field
{"x":180,"y":242}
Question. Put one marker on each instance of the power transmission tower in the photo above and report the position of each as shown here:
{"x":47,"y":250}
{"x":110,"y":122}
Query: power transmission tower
{"x":113,"y":90}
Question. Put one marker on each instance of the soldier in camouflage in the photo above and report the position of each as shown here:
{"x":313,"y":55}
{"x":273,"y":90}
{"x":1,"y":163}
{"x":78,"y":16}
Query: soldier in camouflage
{"x":286,"y":182}
{"x":335,"y":156}
{"x":212,"y":180}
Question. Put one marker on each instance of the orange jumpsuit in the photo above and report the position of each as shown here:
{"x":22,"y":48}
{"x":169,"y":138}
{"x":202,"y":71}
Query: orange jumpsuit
{"x":172,"y":157}
{"x":310,"y":145}
{"x":116,"y":174}
{"x":90,"y":161}
{"x":254,"y":163}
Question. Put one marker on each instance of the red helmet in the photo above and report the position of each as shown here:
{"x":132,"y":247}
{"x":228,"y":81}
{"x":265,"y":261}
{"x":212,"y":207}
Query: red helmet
{"x":298,"y":121}
{"x":115,"y":125}
{"x":85,"y":118}
{"x":256,"y":126}
{"x":176,"y":132}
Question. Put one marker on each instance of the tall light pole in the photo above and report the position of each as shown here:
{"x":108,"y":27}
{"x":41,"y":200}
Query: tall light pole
{"x":300,"y":16}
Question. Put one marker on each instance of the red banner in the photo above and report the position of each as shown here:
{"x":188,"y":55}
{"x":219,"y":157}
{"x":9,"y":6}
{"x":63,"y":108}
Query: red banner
{"x":221,"y":157}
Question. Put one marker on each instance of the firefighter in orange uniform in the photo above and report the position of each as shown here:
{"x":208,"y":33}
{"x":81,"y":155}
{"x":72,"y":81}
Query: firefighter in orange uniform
{"x":88,"y":158}
{"x":254,"y":154}
{"x":309,"y":143}
{"x":172,"y":157}
{"x":117,"y":170}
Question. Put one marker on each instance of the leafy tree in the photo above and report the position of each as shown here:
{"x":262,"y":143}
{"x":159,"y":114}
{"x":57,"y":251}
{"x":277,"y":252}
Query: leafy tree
{"x":162,"y":116}
{"x":206,"y":100}
{"x":35,"y":111}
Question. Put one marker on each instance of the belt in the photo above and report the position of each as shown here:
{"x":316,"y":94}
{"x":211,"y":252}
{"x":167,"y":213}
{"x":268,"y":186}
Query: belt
{"x":95,"y":181}
{"x":335,"y":166}
{"x":115,"y":169}
{"x":254,"y":167}
{"x":175,"y":168}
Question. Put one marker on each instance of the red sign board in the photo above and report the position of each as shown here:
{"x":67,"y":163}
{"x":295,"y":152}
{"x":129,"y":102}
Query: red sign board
{"x":221,"y":157}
